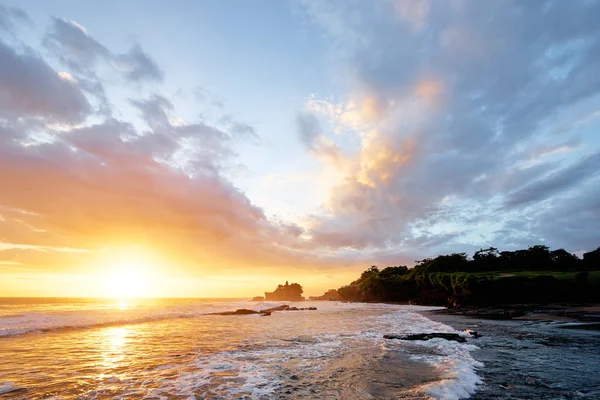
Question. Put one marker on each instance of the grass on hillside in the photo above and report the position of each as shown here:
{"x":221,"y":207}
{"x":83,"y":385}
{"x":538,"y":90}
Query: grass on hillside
{"x":593,"y":277}
{"x":453,"y":279}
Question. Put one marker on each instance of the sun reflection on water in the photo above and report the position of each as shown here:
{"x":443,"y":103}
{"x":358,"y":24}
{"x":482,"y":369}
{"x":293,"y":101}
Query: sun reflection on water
{"x":117,"y":337}
{"x":114,"y":344}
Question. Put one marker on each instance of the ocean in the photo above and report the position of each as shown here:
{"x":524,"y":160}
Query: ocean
{"x":171,"y":349}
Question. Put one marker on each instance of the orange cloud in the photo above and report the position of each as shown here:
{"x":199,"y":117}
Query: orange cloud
{"x":381,"y":159}
{"x":371,"y":109}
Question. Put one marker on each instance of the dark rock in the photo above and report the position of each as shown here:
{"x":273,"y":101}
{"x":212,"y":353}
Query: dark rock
{"x":426,"y":336}
{"x":284,"y":307}
{"x":263,"y":313}
{"x":240,"y":311}
{"x":257,"y":298}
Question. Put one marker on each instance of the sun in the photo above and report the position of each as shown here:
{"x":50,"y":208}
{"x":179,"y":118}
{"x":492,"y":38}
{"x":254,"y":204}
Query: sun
{"x":128,"y":275}
{"x":127,"y":283}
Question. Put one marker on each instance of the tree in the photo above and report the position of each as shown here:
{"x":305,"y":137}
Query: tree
{"x":563,"y":260}
{"x":393,"y":271}
{"x":349,"y":292}
{"x":488,"y":254}
{"x":538,"y":257}
{"x":592,"y":259}
{"x":369,"y":272}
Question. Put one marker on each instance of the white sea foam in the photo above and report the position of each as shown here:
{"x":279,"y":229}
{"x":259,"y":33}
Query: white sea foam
{"x":225,"y":375}
{"x":456,"y":367}
{"x":36,"y":323}
{"x":451,"y":359}
{"x":40,"y":321}
{"x":252,"y":371}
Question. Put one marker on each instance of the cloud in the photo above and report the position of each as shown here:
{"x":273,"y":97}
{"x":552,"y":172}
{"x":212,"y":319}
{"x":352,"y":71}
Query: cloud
{"x":311,"y":136}
{"x":71,"y":41}
{"x":566,"y":222}
{"x":446,"y":103}
{"x":414,"y":12}
{"x":101,"y":190}
{"x":308,"y":129}
{"x":557,"y":182}
{"x":90,"y":183}
{"x":240,"y":129}
{"x":138,"y":66}
{"x":29,"y":87}
{"x":154,"y":110}
{"x":81,"y":52}
{"x":9,"y":16}
{"x":443,"y":138}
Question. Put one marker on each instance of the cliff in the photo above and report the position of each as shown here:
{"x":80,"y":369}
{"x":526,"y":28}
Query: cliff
{"x":489,"y":278}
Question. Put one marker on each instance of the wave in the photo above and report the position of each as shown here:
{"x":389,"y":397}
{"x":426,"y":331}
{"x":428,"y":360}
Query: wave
{"x":40,"y":322}
{"x":452,"y":360}
{"x":256,"y":369}
{"x":457,"y":368}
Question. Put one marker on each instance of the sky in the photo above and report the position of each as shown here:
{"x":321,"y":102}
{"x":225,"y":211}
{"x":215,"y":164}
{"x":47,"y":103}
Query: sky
{"x":218,"y":148}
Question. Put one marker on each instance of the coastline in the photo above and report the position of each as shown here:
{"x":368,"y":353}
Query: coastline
{"x":584,"y":314}
{"x":538,"y":352}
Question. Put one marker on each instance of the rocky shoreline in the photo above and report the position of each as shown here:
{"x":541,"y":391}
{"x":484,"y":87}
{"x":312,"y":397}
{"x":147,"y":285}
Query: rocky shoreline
{"x":585,"y":313}
{"x":532,"y":351}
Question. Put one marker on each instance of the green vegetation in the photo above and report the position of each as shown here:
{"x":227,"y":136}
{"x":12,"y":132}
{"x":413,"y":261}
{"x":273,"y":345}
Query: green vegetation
{"x":535,"y":275}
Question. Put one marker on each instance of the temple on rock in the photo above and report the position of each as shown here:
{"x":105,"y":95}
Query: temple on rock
{"x":287,"y":292}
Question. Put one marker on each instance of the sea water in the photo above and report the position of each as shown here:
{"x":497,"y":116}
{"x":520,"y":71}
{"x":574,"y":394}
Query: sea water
{"x":172,"y":349}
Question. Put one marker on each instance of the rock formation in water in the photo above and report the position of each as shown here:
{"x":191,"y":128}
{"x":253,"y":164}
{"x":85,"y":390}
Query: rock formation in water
{"x":286,"y":307}
{"x":239,"y":311}
{"x":427,"y":336}
{"x":266,"y":312}
{"x":287,"y":292}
